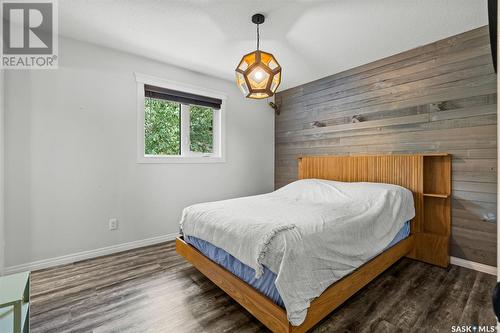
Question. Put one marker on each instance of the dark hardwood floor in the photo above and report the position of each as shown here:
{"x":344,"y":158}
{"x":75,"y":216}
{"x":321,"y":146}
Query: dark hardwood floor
{"x":152,"y":289}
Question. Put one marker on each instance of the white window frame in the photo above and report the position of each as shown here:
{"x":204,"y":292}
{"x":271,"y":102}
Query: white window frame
{"x":187,"y":156}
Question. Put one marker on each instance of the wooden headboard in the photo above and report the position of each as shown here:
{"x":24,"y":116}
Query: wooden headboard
{"x":427,"y":176}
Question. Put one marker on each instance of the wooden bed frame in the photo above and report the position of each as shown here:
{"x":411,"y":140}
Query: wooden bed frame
{"x":427,"y":176}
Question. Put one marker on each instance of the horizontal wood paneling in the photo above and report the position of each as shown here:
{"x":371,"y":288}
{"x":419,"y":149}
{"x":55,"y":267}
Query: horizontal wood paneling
{"x":439,"y":97}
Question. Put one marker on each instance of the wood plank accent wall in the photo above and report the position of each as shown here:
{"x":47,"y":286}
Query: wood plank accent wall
{"x":440,"y":97}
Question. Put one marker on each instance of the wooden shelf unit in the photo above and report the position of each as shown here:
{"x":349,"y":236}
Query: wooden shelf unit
{"x":433,"y":230}
{"x":436,"y":195}
{"x":437,"y":174}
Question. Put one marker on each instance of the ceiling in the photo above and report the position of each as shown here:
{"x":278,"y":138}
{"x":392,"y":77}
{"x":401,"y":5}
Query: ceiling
{"x":310,"y":38}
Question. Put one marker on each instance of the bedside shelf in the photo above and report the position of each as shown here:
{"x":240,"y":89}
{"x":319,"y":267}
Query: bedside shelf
{"x":434,"y":228}
{"x":14,"y":302}
{"x":7,"y":321}
{"x":436,"y":195}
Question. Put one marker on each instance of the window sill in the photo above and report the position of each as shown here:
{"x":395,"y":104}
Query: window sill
{"x":180,"y":159}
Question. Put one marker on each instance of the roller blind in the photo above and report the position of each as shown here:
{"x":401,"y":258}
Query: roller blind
{"x":181,"y":97}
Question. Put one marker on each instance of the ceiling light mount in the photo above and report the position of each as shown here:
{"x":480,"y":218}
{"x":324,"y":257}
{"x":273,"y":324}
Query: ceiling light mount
{"x":258,"y":18}
{"x":258,"y":74}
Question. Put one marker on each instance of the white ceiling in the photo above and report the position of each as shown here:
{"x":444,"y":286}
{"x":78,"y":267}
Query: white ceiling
{"x":310,"y":38}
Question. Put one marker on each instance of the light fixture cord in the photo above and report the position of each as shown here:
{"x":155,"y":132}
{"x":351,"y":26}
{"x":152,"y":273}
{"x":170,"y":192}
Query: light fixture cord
{"x":258,"y":37}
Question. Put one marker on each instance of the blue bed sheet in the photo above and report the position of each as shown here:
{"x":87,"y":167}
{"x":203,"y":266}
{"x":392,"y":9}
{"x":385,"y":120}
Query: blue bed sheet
{"x":264,"y":284}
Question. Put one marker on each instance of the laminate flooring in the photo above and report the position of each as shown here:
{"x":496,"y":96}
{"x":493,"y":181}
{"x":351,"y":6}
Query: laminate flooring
{"x":153,"y":289}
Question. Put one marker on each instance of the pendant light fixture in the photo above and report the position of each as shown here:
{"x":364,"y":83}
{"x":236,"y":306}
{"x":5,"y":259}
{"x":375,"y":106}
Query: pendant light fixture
{"x":258,"y":74}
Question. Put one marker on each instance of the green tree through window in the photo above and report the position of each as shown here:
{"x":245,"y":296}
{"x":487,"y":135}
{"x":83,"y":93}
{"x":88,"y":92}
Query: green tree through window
{"x":201,"y":129}
{"x":162,"y":122}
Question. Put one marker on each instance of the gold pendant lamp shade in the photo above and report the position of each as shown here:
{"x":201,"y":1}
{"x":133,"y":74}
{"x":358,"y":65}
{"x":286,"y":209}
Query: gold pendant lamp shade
{"x":258,"y":74}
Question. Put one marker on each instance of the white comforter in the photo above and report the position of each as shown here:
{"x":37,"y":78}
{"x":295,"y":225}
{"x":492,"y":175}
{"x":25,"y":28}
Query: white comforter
{"x":310,"y":233}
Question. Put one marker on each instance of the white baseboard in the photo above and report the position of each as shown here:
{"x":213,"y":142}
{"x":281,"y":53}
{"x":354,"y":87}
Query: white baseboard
{"x":71,"y":258}
{"x":474,"y":265}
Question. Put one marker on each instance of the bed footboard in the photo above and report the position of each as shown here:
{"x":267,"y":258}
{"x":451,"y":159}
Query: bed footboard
{"x":273,"y":316}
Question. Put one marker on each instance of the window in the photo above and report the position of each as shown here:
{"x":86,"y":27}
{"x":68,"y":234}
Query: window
{"x":178,"y":123}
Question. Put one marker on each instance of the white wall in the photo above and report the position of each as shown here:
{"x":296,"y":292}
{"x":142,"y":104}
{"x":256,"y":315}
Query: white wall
{"x":71,"y":156}
{"x":2,"y":178}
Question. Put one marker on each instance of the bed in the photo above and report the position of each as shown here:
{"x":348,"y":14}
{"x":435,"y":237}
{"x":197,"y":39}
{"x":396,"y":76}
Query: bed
{"x":292,"y":256}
